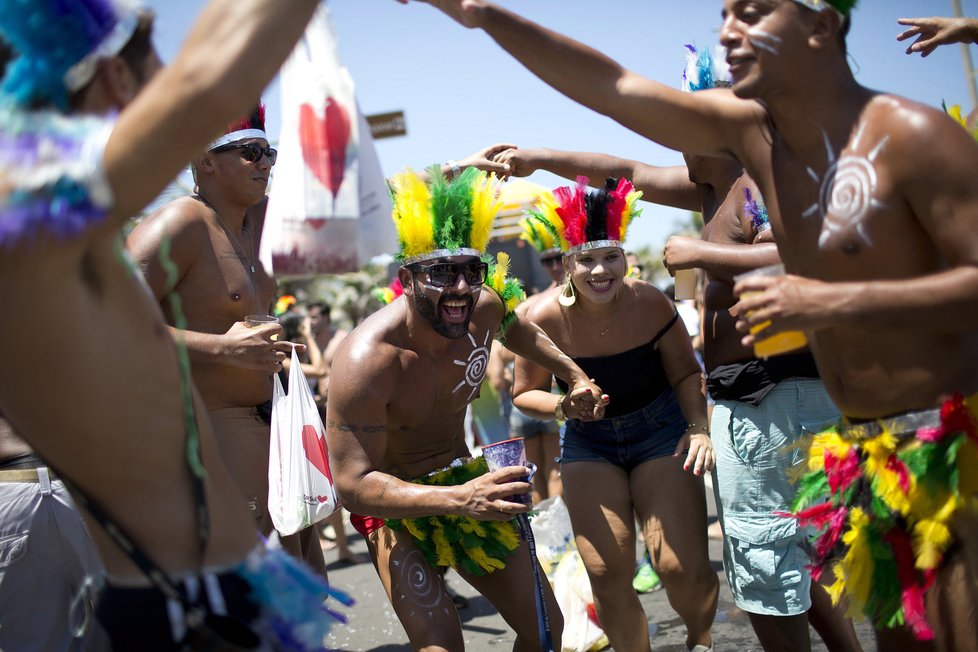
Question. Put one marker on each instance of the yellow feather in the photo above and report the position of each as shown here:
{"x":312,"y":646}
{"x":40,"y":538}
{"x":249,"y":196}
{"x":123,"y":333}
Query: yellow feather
{"x":955,"y":112}
{"x":831,"y":441}
{"x":472,"y":526}
{"x":533,"y":230}
{"x":626,"y":214}
{"x":838,"y":586}
{"x":932,"y":536}
{"x":412,"y":214}
{"x":502,"y":269}
{"x":886,"y":482}
{"x":547,"y":204}
{"x":858,"y":562}
{"x":413,"y":529}
{"x":514,"y":301}
{"x":507,"y":534}
{"x":485,"y":206}
{"x":444,"y":556}
{"x":479,"y":556}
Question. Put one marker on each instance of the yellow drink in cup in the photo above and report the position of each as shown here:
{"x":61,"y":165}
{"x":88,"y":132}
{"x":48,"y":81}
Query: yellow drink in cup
{"x":781,"y":342}
{"x":685,"y":284}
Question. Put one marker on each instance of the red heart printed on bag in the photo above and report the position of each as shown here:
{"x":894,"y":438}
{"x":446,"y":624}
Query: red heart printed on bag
{"x":314,"y":446}
{"x":324,"y":140}
{"x":322,"y":499}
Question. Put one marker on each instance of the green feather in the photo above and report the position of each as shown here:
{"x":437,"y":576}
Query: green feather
{"x":813,"y":486}
{"x":451,"y":205}
{"x":844,"y":6}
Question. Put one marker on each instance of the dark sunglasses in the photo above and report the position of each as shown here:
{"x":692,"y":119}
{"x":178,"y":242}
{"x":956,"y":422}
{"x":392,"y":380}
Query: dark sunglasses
{"x":442,"y":275}
{"x":251,"y":152}
{"x":552,"y":261}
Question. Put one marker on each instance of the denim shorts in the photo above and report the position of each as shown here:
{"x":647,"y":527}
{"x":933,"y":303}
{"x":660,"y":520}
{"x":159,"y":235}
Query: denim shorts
{"x":757,"y":447}
{"x":522,"y":425}
{"x":628,"y":440}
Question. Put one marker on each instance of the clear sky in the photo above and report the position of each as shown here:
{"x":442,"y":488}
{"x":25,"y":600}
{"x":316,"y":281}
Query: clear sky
{"x":460,"y":91}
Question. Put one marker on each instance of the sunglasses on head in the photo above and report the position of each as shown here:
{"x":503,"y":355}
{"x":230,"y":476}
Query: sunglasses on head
{"x":251,"y":152}
{"x":442,"y":275}
{"x":552,"y":261}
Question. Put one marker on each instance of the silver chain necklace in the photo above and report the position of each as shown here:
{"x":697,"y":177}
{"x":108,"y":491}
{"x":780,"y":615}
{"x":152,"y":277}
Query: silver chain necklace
{"x":245,"y":260}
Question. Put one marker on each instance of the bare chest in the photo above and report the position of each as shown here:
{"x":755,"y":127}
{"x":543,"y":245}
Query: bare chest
{"x":841,"y":218}
{"x":435,"y":387}
{"x":221,"y":285}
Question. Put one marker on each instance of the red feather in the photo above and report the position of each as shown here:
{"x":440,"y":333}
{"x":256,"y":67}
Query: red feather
{"x":911,"y":592}
{"x":841,"y":472}
{"x":616,"y":205}
{"x":570,"y":209}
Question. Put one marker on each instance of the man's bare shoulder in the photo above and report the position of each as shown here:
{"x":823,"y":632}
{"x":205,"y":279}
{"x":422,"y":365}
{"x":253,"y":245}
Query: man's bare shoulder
{"x":179,"y":219}
{"x":915,"y":142}
{"x":374,"y":348}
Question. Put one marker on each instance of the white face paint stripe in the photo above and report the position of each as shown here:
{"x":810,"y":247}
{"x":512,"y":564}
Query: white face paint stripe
{"x":765,"y":41}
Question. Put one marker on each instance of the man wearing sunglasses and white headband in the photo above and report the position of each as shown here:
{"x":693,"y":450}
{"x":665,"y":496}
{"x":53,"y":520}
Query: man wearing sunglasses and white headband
{"x":397,"y":401}
{"x":214,"y":238}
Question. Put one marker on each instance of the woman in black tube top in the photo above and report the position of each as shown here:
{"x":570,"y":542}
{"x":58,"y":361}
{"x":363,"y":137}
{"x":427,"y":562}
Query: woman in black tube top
{"x":648,"y":455}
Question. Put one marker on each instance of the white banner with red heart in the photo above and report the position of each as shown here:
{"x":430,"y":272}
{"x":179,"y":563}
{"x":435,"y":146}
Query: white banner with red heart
{"x":328,"y":210}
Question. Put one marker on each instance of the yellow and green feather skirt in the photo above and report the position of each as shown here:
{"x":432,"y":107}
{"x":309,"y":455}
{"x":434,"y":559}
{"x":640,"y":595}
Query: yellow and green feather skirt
{"x":464,"y":543}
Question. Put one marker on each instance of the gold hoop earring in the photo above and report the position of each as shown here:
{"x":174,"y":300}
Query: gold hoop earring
{"x":567,"y":298}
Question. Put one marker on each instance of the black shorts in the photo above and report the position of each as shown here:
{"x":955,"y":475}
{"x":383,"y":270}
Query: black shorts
{"x":143,"y":619}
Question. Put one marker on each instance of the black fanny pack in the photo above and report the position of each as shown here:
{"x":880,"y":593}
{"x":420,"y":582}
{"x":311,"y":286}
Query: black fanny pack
{"x":749,"y":382}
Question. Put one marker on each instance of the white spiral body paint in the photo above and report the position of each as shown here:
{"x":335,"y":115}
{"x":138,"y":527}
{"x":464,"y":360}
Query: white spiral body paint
{"x":846,"y":190}
{"x":475,"y":366}
{"x":765,"y":40}
{"x":418,"y":583}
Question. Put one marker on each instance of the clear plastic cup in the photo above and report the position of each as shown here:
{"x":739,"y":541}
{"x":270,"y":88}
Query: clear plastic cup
{"x":254,"y":321}
{"x":511,"y":452}
{"x":779,"y":343}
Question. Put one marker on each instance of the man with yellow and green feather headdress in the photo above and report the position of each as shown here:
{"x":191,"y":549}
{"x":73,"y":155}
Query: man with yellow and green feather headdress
{"x":402,"y":381}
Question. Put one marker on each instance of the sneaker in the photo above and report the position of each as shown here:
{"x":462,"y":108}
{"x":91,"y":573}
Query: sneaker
{"x":646,"y":579}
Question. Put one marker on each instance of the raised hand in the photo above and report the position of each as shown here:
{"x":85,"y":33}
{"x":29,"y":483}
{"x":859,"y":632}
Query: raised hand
{"x":934,"y":32}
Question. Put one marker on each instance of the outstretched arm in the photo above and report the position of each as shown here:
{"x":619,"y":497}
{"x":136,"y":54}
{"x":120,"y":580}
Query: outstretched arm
{"x":719,"y":260}
{"x":668,"y":186}
{"x":934,"y":32}
{"x":710,"y":123}
{"x":584,"y":400}
{"x":230,"y":55}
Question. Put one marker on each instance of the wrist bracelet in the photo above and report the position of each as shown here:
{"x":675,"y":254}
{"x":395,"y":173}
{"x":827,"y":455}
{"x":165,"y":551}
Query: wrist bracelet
{"x":559,"y":410}
{"x":456,"y":169}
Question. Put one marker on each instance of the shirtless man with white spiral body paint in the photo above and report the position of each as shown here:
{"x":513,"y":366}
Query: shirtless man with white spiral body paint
{"x":883,"y":274}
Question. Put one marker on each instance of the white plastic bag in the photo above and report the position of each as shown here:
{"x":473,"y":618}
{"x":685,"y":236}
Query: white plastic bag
{"x":329,"y":208}
{"x":573,"y":592}
{"x":300,"y":485}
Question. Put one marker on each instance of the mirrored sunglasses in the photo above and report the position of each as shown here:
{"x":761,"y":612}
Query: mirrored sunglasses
{"x":442,"y":275}
{"x":251,"y":152}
